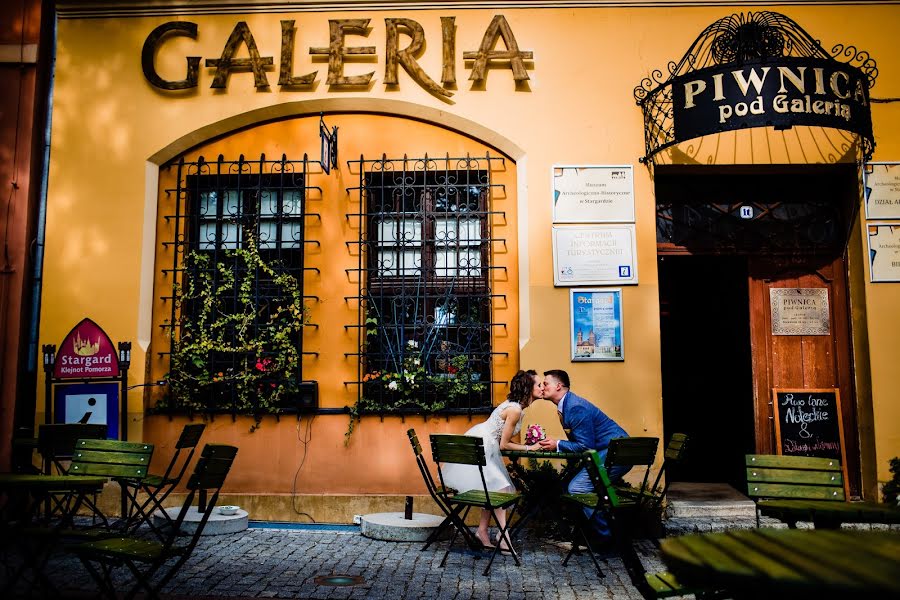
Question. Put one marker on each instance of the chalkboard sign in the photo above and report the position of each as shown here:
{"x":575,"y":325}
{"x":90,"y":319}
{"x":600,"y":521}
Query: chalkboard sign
{"x":808,"y":423}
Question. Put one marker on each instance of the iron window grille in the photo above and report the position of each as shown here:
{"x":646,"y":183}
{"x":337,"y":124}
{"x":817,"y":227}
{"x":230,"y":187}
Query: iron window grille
{"x":425,"y":275}
{"x":217,"y":208}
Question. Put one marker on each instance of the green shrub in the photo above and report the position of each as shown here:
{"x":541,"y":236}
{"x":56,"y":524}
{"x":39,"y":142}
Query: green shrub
{"x":890,"y":493}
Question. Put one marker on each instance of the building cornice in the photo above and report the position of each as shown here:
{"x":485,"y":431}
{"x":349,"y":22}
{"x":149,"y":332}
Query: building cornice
{"x":86,"y":9}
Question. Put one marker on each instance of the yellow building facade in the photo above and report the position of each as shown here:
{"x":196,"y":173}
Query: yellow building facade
{"x":522,"y":95}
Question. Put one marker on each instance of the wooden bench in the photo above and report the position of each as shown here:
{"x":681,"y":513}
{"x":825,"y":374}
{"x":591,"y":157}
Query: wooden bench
{"x":801,"y":488}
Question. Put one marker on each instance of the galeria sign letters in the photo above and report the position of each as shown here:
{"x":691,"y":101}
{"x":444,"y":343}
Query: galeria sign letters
{"x":341,"y":47}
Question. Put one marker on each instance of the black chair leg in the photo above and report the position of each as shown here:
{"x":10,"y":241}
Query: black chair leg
{"x":590,"y":551}
{"x":437,"y":533}
{"x":504,"y":536}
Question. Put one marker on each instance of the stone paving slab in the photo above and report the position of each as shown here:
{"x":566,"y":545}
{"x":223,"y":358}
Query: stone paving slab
{"x":279,"y":563}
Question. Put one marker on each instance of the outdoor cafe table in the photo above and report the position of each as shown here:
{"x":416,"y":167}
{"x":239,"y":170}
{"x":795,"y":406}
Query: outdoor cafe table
{"x":40,"y":486}
{"x":788,"y":563}
{"x":535,"y":500}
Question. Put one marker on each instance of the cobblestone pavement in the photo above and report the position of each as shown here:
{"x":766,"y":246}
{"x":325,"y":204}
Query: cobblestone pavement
{"x":282,"y":563}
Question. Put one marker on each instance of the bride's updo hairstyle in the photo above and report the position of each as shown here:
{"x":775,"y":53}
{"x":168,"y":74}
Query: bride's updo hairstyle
{"x":520,"y":387}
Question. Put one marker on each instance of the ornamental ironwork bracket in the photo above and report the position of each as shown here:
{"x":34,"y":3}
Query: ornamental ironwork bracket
{"x":328,"y":146}
{"x":756,"y":70}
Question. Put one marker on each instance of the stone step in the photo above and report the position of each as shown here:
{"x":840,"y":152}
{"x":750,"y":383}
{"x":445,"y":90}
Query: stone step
{"x":708,"y":500}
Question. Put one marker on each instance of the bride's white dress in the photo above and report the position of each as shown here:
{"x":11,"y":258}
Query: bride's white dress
{"x":466,"y":477}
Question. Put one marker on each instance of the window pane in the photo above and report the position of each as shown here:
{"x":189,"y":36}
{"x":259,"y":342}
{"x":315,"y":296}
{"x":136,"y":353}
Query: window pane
{"x":207,"y":205}
{"x":231,"y":236}
{"x":268,"y":234}
{"x":268,"y":203}
{"x":292,"y":234}
{"x":470,"y":231}
{"x":292,"y":205}
{"x":231,"y":204}
{"x":399,"y":263}
{"x":461,"y":231}
{"x":207,"y":240}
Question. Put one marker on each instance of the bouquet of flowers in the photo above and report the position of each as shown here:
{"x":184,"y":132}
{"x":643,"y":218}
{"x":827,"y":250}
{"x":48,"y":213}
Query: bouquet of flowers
{"x":534,"y":434}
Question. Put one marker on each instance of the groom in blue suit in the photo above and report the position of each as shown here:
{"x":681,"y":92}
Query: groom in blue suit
{"x":591,"y":429}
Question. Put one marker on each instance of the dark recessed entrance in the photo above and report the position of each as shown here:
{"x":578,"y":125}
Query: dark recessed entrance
{"x":706,"y":364}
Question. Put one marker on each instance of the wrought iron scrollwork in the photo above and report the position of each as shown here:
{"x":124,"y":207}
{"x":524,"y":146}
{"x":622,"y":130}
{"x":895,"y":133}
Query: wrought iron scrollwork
{"x":736,"y":39}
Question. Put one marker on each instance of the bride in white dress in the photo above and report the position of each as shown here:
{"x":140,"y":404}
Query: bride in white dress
{"x":499,"y":429}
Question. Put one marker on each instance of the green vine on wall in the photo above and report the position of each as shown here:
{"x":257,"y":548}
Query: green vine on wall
{"x":226,"y":325}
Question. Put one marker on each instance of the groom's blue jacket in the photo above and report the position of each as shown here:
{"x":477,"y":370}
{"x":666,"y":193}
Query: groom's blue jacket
{"x":591,"y":428}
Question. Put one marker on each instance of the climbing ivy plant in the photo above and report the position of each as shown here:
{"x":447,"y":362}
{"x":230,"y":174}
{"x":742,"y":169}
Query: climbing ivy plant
{"x":223,"y":322}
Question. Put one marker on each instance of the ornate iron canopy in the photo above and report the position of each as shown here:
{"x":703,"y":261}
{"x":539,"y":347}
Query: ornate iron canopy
{"x":755,"y":70}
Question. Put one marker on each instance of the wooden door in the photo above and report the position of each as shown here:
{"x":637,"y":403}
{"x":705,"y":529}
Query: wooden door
{"x":801,"y":361}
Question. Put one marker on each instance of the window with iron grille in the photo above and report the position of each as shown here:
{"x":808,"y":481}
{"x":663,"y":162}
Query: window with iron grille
{"x":237,"y":285}
{"x":425,"y":285}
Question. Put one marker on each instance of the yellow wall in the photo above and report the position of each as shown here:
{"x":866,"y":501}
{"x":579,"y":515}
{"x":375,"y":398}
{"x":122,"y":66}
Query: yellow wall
{"x":110,"y":128}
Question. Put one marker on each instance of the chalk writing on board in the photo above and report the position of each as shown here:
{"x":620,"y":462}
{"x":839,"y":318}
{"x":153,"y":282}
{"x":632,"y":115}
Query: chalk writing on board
{"x":808,"y":422}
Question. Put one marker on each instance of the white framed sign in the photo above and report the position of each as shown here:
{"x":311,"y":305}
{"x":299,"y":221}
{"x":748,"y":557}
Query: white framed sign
{"x":593,"y":193}
{"x":800,"y":311}
{"x":595,"y":324}
{"x":884,"y":252}
{"x":594,"y":255}
{"x":882,"y":188}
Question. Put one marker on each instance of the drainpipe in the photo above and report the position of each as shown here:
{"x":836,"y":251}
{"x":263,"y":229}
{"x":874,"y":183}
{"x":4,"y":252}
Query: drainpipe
{"x":25,"y":404}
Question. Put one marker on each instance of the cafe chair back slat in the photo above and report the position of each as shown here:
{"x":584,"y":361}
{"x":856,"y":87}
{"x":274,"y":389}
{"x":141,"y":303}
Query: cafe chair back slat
{"x":438,"y":493}
{"x":158,"y":487}
{"x":152,"y":563}
{"x":121,"y":461}
{"x":633,"y":452}
{"x":676,"y":450}
{"x":469,"y":450}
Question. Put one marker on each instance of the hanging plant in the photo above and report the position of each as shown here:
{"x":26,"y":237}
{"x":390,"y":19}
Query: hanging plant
{"x":410,"y":387}
{"x":225,"y":324}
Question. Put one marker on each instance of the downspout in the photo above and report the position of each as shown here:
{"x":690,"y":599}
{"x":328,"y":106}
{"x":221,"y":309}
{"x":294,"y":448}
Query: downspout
{"x":40,"y":237}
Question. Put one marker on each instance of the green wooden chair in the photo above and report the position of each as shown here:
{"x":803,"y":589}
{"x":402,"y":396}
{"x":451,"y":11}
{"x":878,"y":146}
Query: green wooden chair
{"x":604,"y":499}
{"x":469,"y":450}
{"x":652,"y":497}
{"x":633,"y":452}
{"x":94,"y":461}
{"x":158,"y":487}
{"x":118,"y":460}
{"x":437,"y":494}
{"x":153,"y":563}
{"x":620,"y":513}
{"x":56,"y":445}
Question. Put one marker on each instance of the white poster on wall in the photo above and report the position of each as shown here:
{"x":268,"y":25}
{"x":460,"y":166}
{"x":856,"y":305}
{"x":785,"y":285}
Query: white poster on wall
{"x":593,"y":194}
{"x":882,"y":190}
{"x":594,"y":255}
{"x":884,"y":252}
